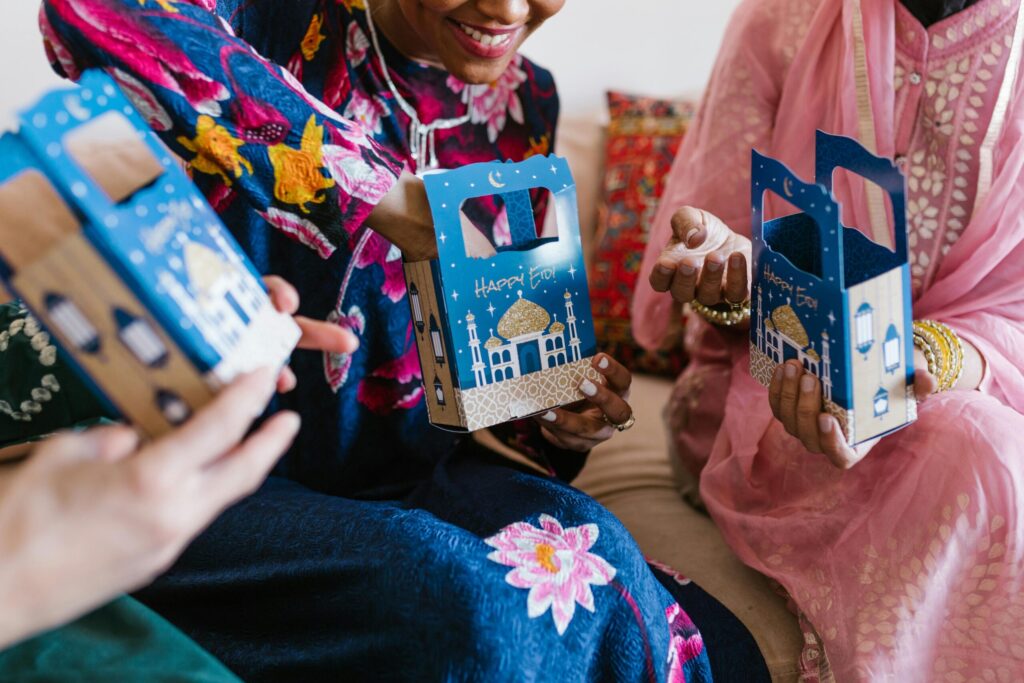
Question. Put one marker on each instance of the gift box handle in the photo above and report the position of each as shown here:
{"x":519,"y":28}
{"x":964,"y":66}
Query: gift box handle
{"x":771,"y":175}
{"x":837,"y":151}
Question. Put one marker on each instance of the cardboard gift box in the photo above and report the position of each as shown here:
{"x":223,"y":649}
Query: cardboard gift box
{"x":830,"y":297}
{"x":115,"y":251}
{"x":503,"y":332}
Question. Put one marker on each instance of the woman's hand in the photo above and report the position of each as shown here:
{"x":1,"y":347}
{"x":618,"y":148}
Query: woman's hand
{"x":92,"y":515}
{"x":403,"y":217}
{"x":704,"y":260}
{"x":317,"y":335}
{"x":584,"y":425}
{"x":795,"y":398}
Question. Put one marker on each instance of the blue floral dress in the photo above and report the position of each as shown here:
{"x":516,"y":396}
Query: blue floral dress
{"x":382,"y":548}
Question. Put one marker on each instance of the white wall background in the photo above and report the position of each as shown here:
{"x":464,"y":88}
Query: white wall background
{"x":659,"y":47}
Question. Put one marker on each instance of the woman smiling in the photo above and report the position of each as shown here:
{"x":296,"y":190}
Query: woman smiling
{"x":384,"y":548}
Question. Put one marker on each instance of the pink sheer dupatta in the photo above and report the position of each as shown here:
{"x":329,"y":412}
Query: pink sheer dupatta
{"x":909,"y":565}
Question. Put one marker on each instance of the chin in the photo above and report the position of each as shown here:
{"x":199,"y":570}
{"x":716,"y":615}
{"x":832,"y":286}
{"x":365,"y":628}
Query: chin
{"x":478,"y":73}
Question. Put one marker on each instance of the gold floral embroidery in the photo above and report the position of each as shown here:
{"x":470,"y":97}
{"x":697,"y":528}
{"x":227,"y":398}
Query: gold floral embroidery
{"x":954,"y":106}
{"x":216,"y":150}
{"x":313,"y":38}
{"x":298,"y":173}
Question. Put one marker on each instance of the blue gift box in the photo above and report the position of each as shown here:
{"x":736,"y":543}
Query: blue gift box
{"x":502,"y":332}
{"x":128,"y":268}
{"x":830,"y":297}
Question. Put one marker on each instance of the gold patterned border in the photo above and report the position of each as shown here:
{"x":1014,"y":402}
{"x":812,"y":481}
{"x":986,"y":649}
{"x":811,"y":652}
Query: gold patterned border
{"x":527,"y":395}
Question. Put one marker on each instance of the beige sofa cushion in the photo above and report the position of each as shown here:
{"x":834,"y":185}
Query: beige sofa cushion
{"x":631,"y":475}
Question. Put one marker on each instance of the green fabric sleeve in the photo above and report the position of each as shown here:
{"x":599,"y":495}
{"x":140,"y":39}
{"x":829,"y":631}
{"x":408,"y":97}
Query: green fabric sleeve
{"x":40,"y":392}
{"x":124,"y":642}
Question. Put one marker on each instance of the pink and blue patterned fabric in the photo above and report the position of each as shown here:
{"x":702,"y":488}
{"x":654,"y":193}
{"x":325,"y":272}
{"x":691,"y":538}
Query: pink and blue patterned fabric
{"x":383,"y":548}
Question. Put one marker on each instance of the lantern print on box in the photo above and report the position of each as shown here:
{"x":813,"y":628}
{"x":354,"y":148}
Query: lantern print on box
{"x":829,"y":297}
{"x":128,"y":267}
{"x":504,"y":331}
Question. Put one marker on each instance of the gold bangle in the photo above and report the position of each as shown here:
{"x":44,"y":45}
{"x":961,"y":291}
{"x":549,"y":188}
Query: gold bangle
{"x":734,"y":315}
{"x":955,"y":348}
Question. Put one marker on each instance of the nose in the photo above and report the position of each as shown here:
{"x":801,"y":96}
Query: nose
{"x":505,"y":12}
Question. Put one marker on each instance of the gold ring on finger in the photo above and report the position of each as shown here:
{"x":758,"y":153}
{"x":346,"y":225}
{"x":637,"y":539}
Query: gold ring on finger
{"x":624,"y":426}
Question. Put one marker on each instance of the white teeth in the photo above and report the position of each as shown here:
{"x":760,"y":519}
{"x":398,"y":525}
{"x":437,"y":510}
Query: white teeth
{"x":485,"y":39}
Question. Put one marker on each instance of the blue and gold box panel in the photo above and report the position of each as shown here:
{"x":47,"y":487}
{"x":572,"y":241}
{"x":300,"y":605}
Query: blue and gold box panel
{"x":828,"y":296}
{"x":503,"y":332}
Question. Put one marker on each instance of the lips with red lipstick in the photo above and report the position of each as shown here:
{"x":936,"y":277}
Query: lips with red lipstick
{"x":488,"y":43}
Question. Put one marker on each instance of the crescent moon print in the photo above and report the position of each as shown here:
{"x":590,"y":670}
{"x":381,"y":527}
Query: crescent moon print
{"x":787,"y":187}
{"x":495,"y":183}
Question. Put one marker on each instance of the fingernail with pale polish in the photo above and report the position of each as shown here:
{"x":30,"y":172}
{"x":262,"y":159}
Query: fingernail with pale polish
{"x":790,"y":370}
{"x":807,"y":384}
{"x":603,"y":363}
{"x":736,"y":261}
{"x":549,"y":416}
{"x":825,"y":424}
{"x":588,"y":388}
{"x":713,"y":266}
{"x":777,"y":375}
{"x":687,"y":269}
{"x":664,"y":270}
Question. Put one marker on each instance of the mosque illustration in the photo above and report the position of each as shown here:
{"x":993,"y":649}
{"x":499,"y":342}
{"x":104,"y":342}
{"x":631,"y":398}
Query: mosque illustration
{"x":782,"y":337}
{"x":527,"y":341}
{"x":224,"y":299}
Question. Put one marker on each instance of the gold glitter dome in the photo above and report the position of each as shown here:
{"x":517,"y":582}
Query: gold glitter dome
{"x":557,"y":328}
{"x":204,"y":267}
{"x":522,"y":318}
{"x":787,"y":322}
{"x":493,"y":343}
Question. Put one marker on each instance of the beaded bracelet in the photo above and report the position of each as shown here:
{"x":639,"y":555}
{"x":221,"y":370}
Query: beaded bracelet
{"x":729,"y":317}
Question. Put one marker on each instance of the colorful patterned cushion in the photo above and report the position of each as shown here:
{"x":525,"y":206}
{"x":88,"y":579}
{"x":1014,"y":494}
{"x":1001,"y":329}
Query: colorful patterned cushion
{"x":643,"y":137}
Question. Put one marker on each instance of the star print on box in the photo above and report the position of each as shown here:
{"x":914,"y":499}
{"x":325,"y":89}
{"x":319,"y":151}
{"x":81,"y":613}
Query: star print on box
{"x":126,"y":265}
{"x":504,"y":331}
{"x":827,"y":296}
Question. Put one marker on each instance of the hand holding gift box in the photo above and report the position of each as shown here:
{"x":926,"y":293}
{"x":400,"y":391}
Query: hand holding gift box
{"x":829,"y":297}
{"x":111,"y":246}
{"x":504,"y":332}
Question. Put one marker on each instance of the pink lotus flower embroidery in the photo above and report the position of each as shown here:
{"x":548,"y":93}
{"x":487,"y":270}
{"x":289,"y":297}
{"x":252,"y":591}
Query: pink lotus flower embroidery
{"x":554,"y":564}
{"x":153,"y":58}
{"x":502,"y":230}
{"x":337,"y":365}
{"x":143,"y":99}
{"x":299,"y":229}
{"x":493,"y":103}
{"x":357,"y":45}
{"x":686,"y":643}
{"x":366,"y":111}
{"x":676,"y":576}
{"x":355,"y":176}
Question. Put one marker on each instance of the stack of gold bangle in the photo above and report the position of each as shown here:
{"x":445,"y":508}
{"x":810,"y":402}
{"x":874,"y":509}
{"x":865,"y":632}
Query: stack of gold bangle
{"x":726,"y":315}
{"x":942,"y":349}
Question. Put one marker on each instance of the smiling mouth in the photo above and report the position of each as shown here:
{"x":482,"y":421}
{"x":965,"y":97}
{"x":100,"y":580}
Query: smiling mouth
{"x":488,"y":43}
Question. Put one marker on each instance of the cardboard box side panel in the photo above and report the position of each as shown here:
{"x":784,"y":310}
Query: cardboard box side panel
{"x":109,"y":150}
{"x":422,"y":294}
{"x":877,"y":355}
{"x":132,"y":386}
{"x":33,"y":218}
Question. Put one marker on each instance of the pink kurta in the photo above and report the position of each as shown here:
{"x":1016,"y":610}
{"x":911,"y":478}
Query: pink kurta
{"x":910,"y":566}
